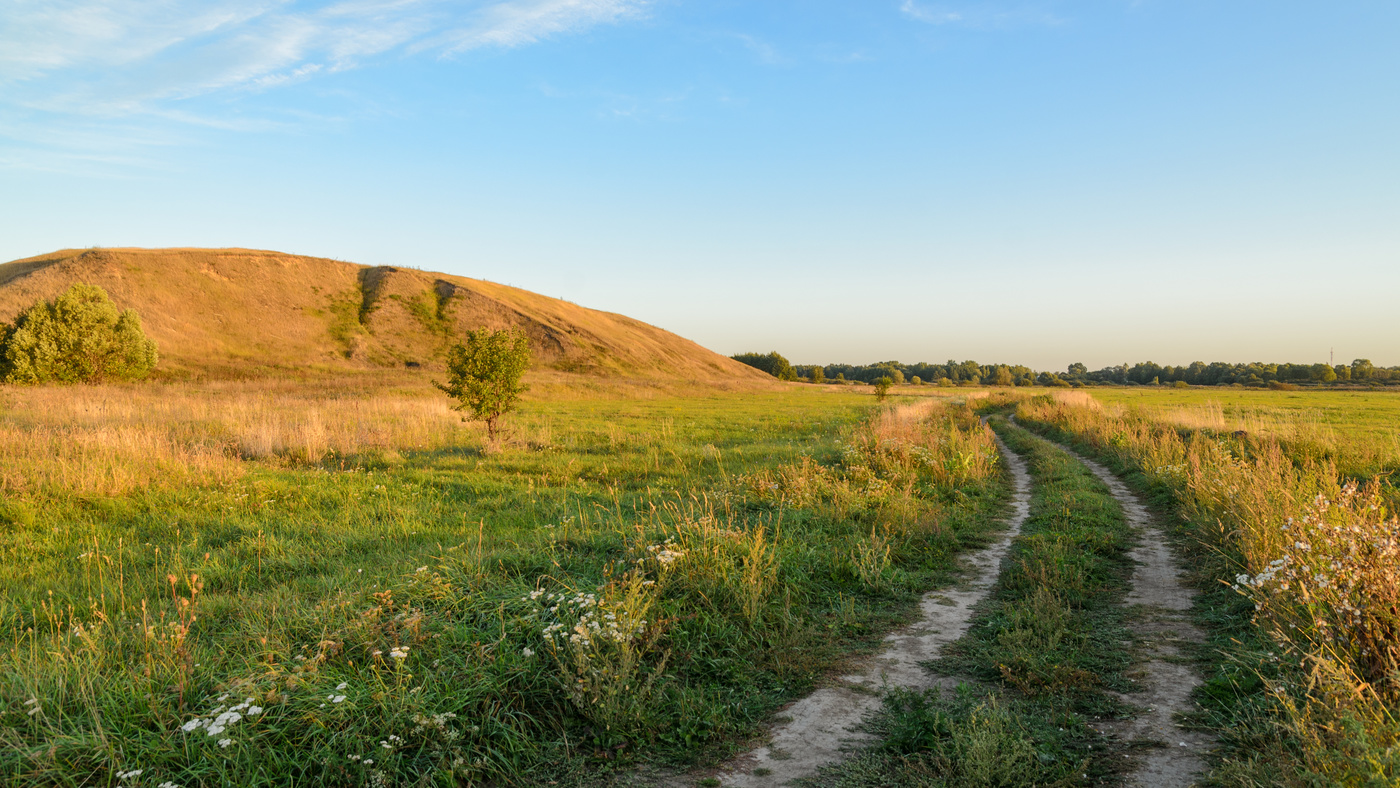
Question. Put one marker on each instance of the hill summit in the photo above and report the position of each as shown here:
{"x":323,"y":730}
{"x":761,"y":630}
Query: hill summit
{"x":241,"y":311}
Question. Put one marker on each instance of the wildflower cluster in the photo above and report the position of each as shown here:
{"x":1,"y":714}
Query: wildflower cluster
{"x":221,"y":719}
{"x":1335,"y":588}
{"x":1168,"y":472}
{"x":438,"y":723}
{"x":580,"y":618}
{"x":665,"y":553}
{"x":601,"y":642}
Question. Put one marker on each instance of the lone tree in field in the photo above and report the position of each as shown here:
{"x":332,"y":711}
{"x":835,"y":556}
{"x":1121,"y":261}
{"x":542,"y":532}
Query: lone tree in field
{"x":483,"y":374}
{"x":79,"y":337}
{"x":882,"y":388}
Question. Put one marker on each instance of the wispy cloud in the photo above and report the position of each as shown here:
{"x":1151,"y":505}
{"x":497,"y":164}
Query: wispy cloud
{"x":984,"y":16}
{"x":120,"y":57}
{"x":764,"y":51}
{"x":518,"y":22}
{"x":102,"y":87}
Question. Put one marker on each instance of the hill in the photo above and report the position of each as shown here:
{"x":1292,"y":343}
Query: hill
{"x":244,"y":311}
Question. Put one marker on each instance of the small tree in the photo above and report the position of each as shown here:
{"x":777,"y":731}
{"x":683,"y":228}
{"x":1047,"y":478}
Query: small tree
{"x":483,"y":374}
{"x":79,"y":337}
{"x":818,"y":375}
{"x":882,"y":387}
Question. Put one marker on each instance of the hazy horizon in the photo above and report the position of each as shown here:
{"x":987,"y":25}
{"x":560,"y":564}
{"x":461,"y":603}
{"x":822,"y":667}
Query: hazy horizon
{"x":1037,"y":183}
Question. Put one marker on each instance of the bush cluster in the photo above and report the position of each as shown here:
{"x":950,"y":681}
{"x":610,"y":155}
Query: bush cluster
{"x":79,"y":337}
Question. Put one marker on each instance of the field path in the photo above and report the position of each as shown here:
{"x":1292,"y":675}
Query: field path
{"x":812,"y":732}
{"x":1167,"y":682}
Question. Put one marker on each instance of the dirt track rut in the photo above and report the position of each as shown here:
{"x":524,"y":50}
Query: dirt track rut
{"x":1163,"y":626}
{"x":813,"y":731}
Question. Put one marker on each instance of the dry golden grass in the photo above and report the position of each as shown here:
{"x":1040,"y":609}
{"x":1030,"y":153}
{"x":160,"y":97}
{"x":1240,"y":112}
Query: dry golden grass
{"x":109,"y":440}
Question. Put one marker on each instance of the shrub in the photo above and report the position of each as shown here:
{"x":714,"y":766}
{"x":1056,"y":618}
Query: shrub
{"x":882,"y":387}
{"x":483,"y":374}
{"x":79,"y":337}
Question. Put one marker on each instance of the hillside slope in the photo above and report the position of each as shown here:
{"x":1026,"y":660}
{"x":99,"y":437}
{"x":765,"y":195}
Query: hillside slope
{"x":240,"y":311}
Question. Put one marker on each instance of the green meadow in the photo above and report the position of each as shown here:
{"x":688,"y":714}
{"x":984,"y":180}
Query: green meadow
{"x":624,"y":583}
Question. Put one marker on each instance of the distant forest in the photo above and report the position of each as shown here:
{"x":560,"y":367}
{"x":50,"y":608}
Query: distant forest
{"x":970,"y":373}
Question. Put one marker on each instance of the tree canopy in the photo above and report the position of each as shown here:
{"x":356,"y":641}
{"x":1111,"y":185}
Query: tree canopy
{"x":772,"y":363}
{"x":79,"y":337}
{"x":483,"y":374}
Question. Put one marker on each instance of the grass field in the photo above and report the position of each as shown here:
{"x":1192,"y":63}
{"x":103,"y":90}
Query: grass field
{"x":1360,"y":430}
{"x":264,"y":583}
{"x":272,"y":582}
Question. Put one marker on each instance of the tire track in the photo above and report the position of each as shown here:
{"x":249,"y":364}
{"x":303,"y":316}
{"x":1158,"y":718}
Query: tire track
{"x":1163,"y":602}
{"x":815,"y":731}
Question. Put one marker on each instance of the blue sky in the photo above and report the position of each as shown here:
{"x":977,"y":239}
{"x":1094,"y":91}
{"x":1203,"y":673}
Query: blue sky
{"x":1032,"y":182}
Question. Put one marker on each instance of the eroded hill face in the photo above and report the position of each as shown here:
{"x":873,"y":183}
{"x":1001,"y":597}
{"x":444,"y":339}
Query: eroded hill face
{"x":237,"y":311}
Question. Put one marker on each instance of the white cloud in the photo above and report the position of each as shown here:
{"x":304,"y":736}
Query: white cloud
{"x":981,"y":16}
{"x":516,"y":22}
{"x":115,"y":57}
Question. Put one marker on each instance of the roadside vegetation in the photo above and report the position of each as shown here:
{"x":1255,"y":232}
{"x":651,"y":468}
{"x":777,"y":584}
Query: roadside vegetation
{"x":1041,"y":664}
{"x":1294,"y":542}
{"x":259,"y":583}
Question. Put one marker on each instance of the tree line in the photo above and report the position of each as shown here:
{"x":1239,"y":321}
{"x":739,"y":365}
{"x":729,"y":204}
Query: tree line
{"x":971,"y":373}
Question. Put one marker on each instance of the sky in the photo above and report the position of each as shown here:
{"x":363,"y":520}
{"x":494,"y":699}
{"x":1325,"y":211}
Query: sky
{"x":1041,"y":182}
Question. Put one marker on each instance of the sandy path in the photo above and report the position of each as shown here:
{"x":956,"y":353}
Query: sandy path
{"x":812,"y":732}
{"x":1167,"y":683}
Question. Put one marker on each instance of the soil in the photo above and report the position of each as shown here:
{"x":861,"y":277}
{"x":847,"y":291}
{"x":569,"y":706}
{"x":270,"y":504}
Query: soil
{"x":814,"y":731}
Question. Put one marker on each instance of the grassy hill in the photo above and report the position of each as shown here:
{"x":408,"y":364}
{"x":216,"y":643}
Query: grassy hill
{"x":245,"y":311}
